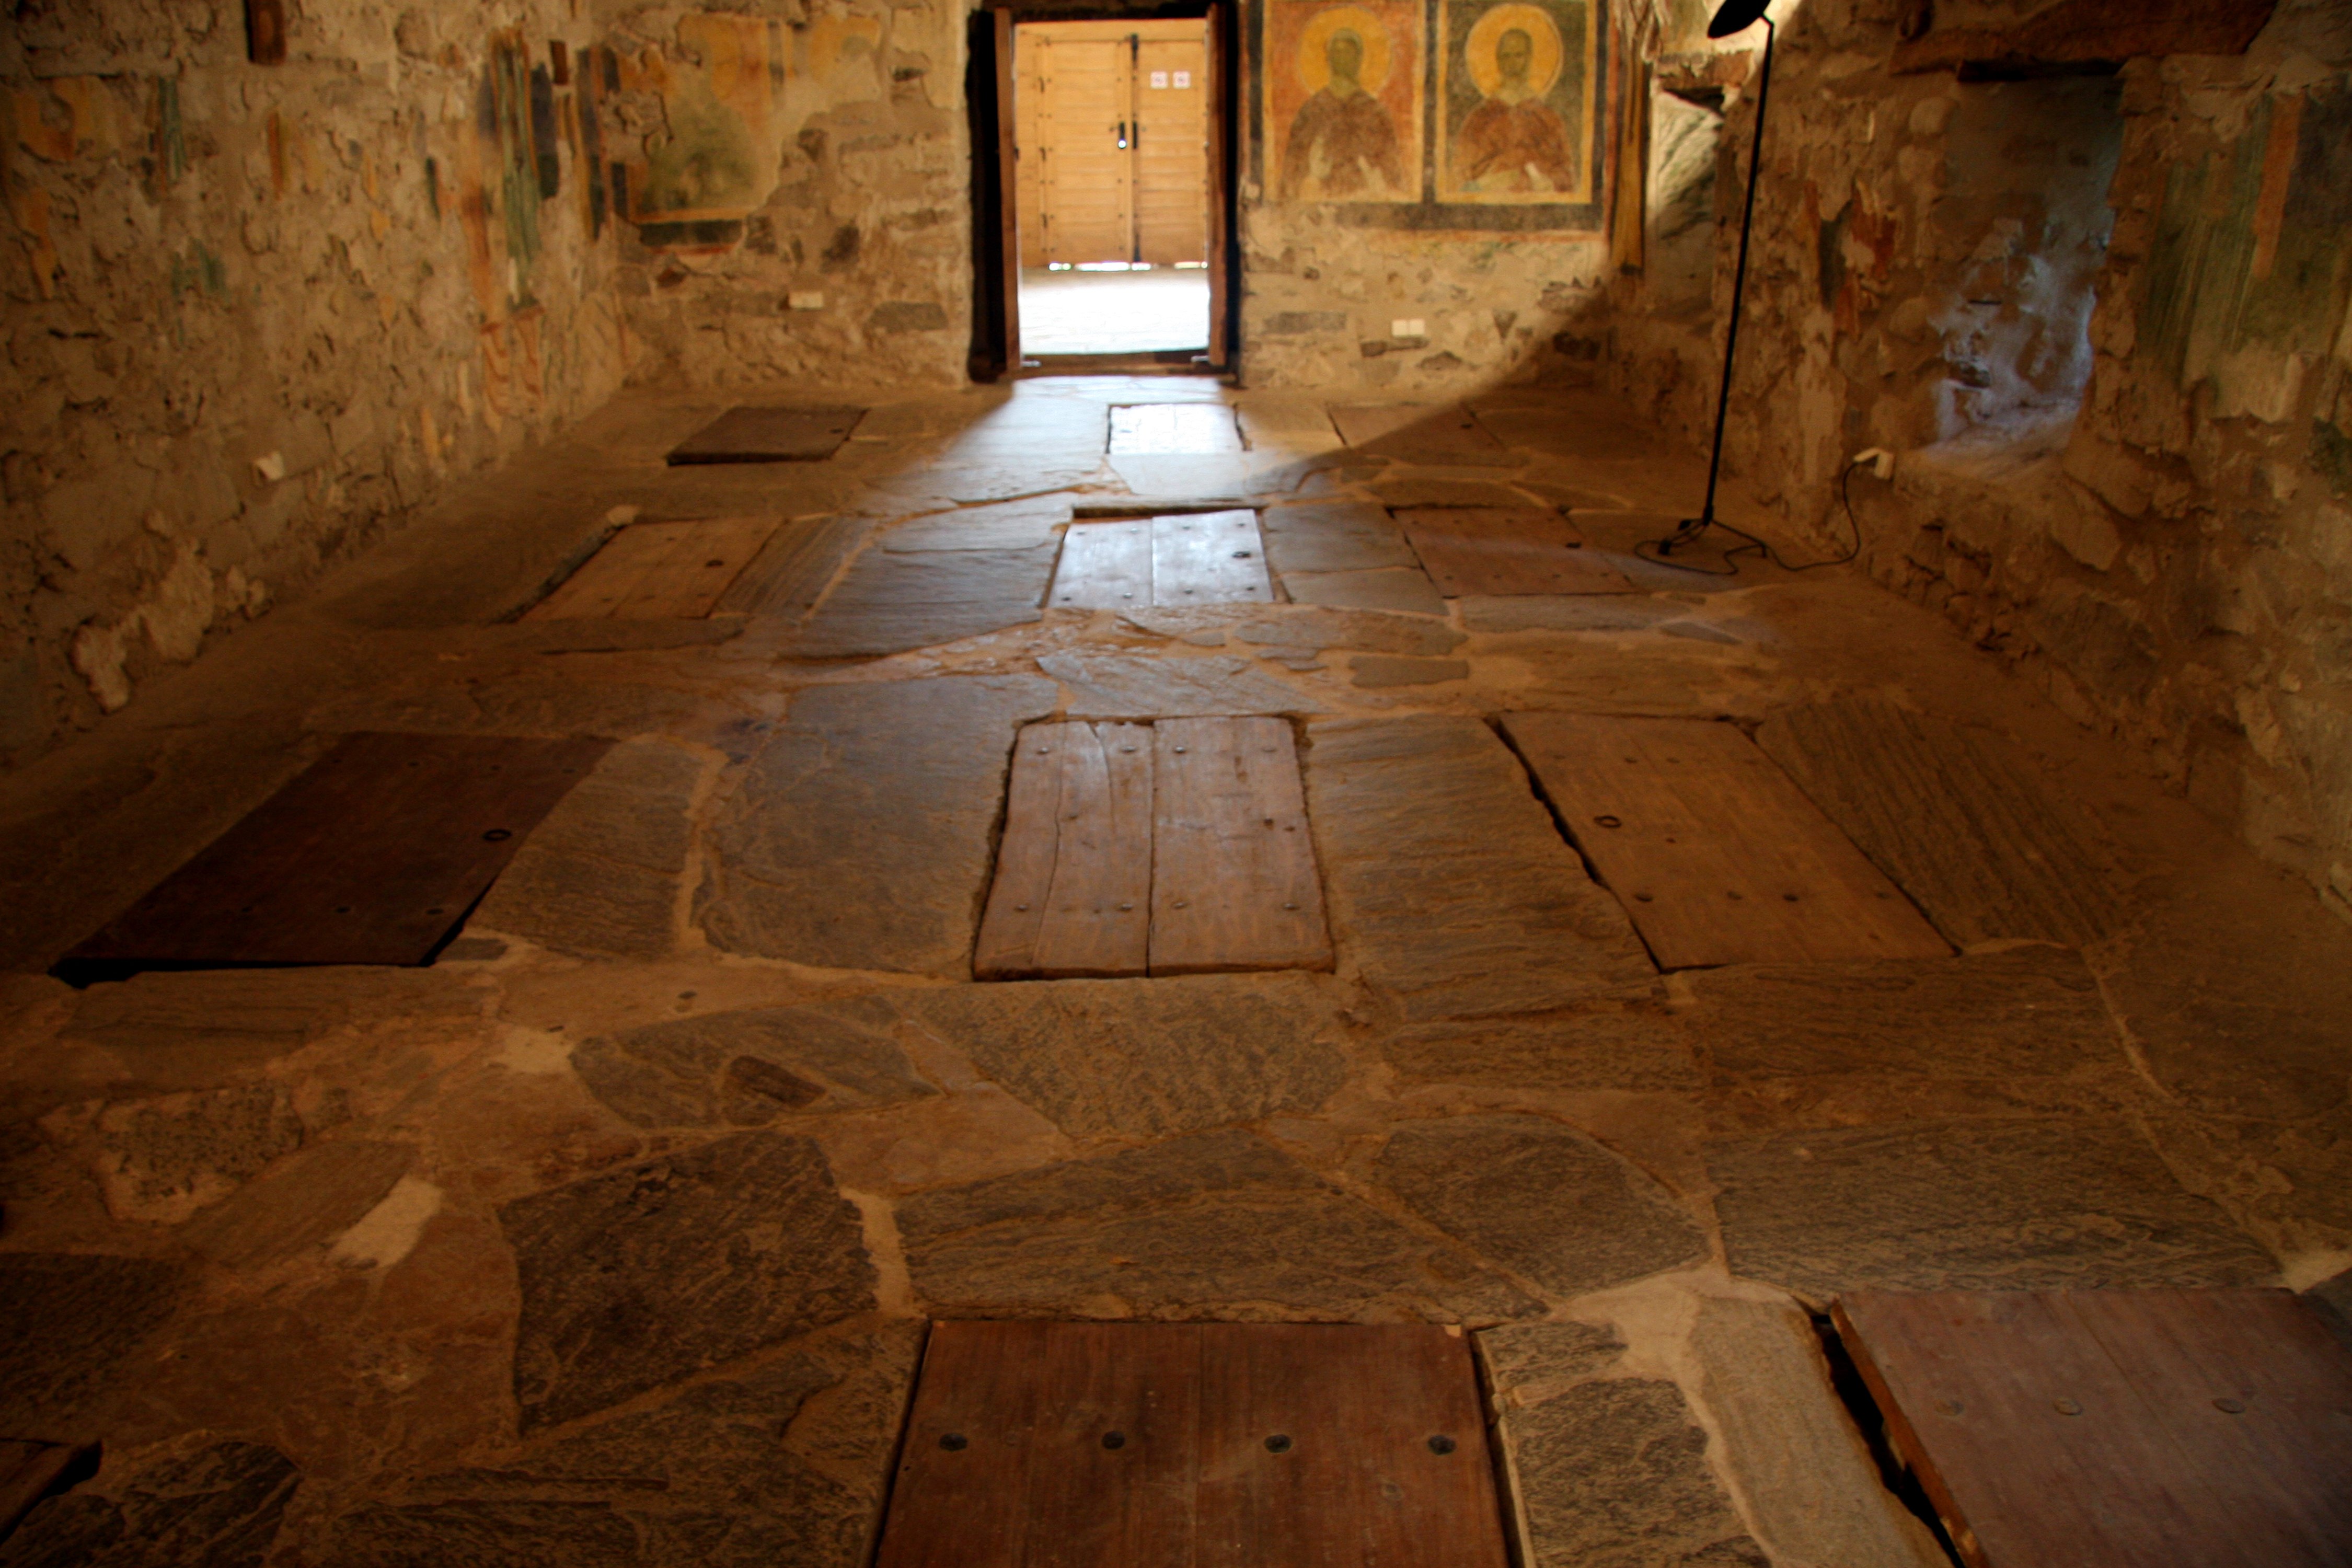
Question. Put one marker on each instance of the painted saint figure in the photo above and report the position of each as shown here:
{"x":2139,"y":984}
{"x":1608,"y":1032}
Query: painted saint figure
{"x":1513,"y":140}
{"x":1342,"y":143}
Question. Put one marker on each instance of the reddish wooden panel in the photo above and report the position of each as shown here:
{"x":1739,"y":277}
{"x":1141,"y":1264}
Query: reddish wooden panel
{"x":757,"y":435}
{"x":372,"y":855}
{"x":1206,"y":558}
{"x":1073,"y":888}
{"x":1234,"y":878}
{"x":1717,"y":857}
{"x":2105,"y":1428}
{"x":1145,"y":1446}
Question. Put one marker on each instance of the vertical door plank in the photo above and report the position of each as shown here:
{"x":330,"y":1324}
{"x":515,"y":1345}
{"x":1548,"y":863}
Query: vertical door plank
{"x":1212,"y":38}
{"x":1358,"y":1483}
{"x":606,"y":579}
{"x":1234,"y":878}
{"x":1717,"y":857}
{"x":1210,"y":557}
{"x":1073,"y":888}
{"x":1104,"y":566}
{"x":696,"y":571}
{"x":1014,"y":191}
{"x":1087,"y":174}
{"x":2093,"y":1428}
{"x":1171,"y":195}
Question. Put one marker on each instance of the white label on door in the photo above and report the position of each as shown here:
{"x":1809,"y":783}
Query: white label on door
{"x":1160,"y":81}
{"x":1183,"y":78}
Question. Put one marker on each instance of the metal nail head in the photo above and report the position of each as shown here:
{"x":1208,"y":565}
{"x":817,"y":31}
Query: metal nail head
{"x":2066,"y":1406}
{"x":954,"y":1442}
{"x":1278,"y":1444}
{"x":2229,"y":1407}
{"x":1440,"y":1444}
{"x":1114,"y":1439}
{"x":1948,"y":1407}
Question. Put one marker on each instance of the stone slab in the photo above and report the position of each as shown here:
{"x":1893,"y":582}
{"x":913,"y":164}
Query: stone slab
{"x":1970,"y":1203}
{"x":641,"y":1276}
{"x":71,"y":1322}
{"x":1617,"y":612}
{"x":1017,"y":525}
{"x":1811,"y":1487}
{"x":163,"y":1159}
{"x":1403,"y":589}
{"x":219,"y":1507}
{"x":860,"y":838}
{"x":1217,"y":1225}
{"x":1334,"y":536}
{"x":1634,"y":1049}
{"x":745,"y":1069}
{"x":599,"y":878}
{"x":1380,"y":670}
{"x":1150,"y":1058}
{"x":1308,"y":627}
{"x":1404,"y":491}
{"x":300,"y":1203}
{"x":890,"y":601}
{"x":1541,"y":1200}
{"x":1605,"y":1470}
{"x":1129,"y":685}
{"x":1448,"y":883}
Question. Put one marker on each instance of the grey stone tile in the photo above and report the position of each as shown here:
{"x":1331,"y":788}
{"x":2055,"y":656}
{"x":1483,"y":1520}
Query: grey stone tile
{"x":860,"y":836}
{"x":1128,"y":686}
{"x":1575,"y":613}
{"x":165,"y":1159}
{"x":1403,"y":589}
{"x":891,"y":601}
{"x":1310,"y":627}
{"x":219,"y":1507}
{"x":300,"y":1202}
{"x":1150,"y":1058}
{"x":1450,"y":886}
{"x":600,"y":876}
{"x":745,"y":1069}
{"x":1540,"y":1199}
{"x":1334,"y":536}
{"x":1970,"y":1203}
{"x":1636,"y":1049}
{"x":1379,"y":669}
{"x":1218,"y":1223}
{"x":1606,"y":1470}
{"x":1008,"y":525}
{"x":71,"y":1322}
{"x":641,"y":1276}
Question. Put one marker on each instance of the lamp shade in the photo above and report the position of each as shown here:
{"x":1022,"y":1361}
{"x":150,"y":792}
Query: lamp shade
{"x":1736,"y":16}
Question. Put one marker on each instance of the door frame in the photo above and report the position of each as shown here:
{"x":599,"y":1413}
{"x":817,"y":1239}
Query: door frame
{"x":996,"y":232}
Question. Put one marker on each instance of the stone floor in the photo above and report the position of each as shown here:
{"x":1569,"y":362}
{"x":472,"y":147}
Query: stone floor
{"x":609,"y":1238}
{"x":1078,"y":313}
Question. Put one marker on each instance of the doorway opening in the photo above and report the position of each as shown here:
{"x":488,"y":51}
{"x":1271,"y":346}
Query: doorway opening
{"x":1102,"y":187}
{"x":1112,"y":186}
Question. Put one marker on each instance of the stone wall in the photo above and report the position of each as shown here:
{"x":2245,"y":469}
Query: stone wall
{"x":2175,"y":563}
{"x":254,"y":313}
{"x":796,"y":185}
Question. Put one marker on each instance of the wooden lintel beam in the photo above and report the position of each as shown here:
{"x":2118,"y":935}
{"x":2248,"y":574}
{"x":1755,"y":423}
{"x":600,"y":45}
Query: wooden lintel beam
{"x":2082,"y":31}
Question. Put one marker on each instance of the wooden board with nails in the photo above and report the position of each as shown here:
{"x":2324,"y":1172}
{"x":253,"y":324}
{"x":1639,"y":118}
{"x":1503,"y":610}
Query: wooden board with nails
{"x":2102,"y":1428}
{"x":750,"y":434}
{"x":1717,"y":857}
{"x":372,"y":855}
{"x":1182,"y":558}
{"x":1175,"y":847}
{"x":1195,"y":1446}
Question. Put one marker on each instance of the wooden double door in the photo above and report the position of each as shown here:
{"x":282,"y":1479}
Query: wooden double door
{"x":1112,"y":150}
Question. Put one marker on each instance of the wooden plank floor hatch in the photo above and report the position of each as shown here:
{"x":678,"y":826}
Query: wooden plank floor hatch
{"x":1184,"y":558}
{"x":2118,"y":1428}
{"x":751,"y":434}
{"x":1717,"y":857}
{"x":372,"y":855}
{"x":1195,"y":1446}
{"x":658,"y":571}
{"x":1175,"y":847}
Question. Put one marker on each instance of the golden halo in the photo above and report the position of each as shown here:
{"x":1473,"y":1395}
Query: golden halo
{"x":1479,"y":51}
{"x":1316,"y":37}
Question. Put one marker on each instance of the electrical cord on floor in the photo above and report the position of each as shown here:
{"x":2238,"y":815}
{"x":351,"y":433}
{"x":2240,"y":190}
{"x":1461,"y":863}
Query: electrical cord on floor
{"x":1755,"y":546}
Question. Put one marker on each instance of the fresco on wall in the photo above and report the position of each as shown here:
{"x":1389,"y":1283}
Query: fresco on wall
{"x":715,"y":159}
{"x":1498,"y":125}
{"x":1346,"y":100}
{"x":1517,"y":120}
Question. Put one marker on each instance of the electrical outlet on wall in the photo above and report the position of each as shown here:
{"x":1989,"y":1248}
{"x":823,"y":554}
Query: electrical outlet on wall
{"x":1414,"y":328}
{"x":804,"y":300}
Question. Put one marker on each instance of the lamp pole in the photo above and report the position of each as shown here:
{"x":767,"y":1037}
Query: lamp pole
{"x":1735,"y":16}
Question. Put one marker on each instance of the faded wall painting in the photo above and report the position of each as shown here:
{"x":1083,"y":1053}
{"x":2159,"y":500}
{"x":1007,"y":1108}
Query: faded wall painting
{"x":1517,"y":118}
{"x":1344,"y":91}
{"x":715,"y":159}
{"x":1436,"y":114}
